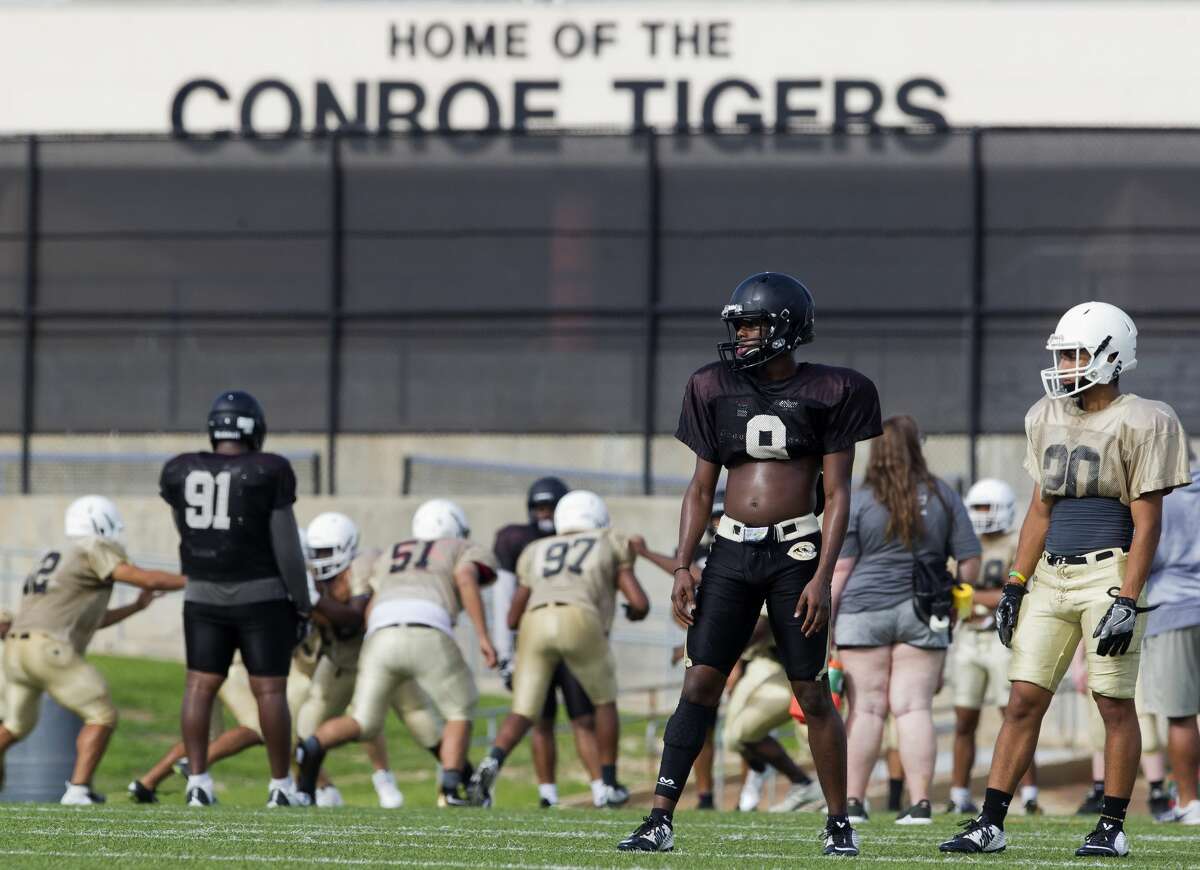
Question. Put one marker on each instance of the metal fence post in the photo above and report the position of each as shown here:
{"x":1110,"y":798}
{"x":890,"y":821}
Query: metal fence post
{"x":653,"y":278}
{"x":32,"y":230}
{"x":975,"y":315}
{"x":336,"y":282}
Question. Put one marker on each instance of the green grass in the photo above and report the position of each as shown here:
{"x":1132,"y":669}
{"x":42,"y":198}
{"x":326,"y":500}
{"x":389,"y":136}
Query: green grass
{"x":158,"y":836}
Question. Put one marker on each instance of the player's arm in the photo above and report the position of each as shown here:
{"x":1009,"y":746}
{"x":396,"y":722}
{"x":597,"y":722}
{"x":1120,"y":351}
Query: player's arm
{"x":144,"y":578}
{"x":350,"y":615}
{"x":659,"y":560}
{"x":516,"y":609}
{"x":289,"y":558}
{"x":1147,"y":526}
{"x":814,"y":603}
{"x":638,"y":604}
{"x":694,"y":515}
{"x":117,"y":614}
{"x":466,"y":578}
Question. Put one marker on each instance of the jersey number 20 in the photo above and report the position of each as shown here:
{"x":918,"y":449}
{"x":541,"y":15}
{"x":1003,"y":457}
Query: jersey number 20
{"x":207,"y":498}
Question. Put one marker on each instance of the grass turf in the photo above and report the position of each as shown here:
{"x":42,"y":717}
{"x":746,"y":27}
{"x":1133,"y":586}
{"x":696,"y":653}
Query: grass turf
{"x":153,"y":836}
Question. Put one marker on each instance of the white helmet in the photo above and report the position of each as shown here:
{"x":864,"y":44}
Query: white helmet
{"x":438,"y":519}
{"x":580,"y":511}
{"x":332,"y":544}
{"x":992,"y":506}
{"x":93,"y":515}
{"x":1106,"y":333}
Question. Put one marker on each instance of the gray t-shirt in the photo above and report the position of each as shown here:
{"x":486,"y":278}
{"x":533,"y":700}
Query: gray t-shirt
{"x":882,"y":576}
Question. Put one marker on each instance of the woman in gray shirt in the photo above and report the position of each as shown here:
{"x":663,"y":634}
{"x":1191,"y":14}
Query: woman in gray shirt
{"x":893,"y":658}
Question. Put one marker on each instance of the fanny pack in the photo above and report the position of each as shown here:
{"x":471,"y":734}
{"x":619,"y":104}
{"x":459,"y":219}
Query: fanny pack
{"x":932,"y":583}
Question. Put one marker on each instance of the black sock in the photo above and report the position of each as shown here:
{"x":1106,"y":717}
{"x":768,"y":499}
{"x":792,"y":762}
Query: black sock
{"x":498,"y":754}
{"x":608,"y":773}
{"x":840,"y":820}
{"x":757,"y":766}
{"x":995,"y":806}
{"x":1098,"y":787}
{"x":802,"y":779}
{"x":706,"y":801}
{"x":657,"y":815}
{"x":895,"y":793}
{"x":683,"y":738}
{"x":1113,"y":810}
{"x":1157,"y":785}
{"x":451,"y":780}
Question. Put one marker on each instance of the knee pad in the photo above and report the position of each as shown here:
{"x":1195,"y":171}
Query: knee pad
{"x":689,"y":726}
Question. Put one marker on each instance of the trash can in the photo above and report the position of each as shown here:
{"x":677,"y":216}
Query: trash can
{"x":38,"y":768}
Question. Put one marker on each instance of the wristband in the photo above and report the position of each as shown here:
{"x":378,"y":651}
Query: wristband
{"x":1017,"y":575}
{"x":682,"y":568}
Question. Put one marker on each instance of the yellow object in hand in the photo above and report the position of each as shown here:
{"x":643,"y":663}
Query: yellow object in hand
{"x":963,"y":596}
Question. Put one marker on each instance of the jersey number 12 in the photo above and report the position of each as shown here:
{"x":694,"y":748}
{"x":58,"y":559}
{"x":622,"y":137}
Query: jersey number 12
{"x":207,"y":500}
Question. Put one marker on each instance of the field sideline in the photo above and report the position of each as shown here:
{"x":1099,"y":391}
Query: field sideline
{"x":56,"y":837}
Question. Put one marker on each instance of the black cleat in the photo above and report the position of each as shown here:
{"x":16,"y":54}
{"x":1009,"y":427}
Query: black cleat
{"x":856,"y":811}
{"x":1033,"y":808}
{"x":1161,"y":804}
{"x":479,"y":791}
{"x":199,"y":797}
{"x":309,"y":756}
{"x":978,"y":835}
{"x":840,"y":839}
{"x":616,"y":796}
{"x":139,"y":794}
{"x":1092,"y":804}
{"x":1107,"y":840}
{"x":651,"y":836}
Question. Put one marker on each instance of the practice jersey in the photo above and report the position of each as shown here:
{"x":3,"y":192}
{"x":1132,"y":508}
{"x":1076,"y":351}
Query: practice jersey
{"x":512,"y":540}
{"x":1132,"y":447}
{"x":424,"y":570}
{"x":67,"y":594}
{"x":579,"y":568}
{"x":730,"y":418}
{"x":222,"y":506}
{"x":342,"y":646}
{"x":999,"y":553}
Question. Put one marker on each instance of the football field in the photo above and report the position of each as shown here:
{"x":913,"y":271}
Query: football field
{"x":159,"y":836}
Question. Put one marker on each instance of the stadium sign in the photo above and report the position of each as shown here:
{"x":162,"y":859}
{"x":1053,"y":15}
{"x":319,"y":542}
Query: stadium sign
{"x":286,"y":69}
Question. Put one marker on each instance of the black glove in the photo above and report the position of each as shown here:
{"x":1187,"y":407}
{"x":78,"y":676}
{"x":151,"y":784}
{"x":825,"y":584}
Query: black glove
{"x":1115,"y":631}
{"x":506,"y":672}
{"x":1007,"y":610}
{"x":303,"y":626}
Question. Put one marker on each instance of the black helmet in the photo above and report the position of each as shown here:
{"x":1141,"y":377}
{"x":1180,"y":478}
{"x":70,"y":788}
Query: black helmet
{"x":237,"y":416}
{"x":544,"y":492}
{"x":779,"y":299}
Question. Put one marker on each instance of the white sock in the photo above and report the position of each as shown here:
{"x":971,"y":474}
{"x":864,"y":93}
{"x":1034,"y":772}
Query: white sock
{"x":285,"y":784}
{"x":383,"y":777}
{"x":548,"y":791}
{"x":73,"y":788}
{"x":1029,"y":793}
{"x":599,"y":791}
{"x":960,"y":796}
{"x":201,"y":780}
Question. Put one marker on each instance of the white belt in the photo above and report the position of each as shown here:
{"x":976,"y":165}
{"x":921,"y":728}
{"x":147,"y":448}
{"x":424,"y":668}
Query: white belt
{"x":788,"y":530}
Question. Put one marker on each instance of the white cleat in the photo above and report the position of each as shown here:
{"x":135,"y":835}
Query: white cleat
{"x":1188,"y":815}
{"x":390,"y":797}
{"x":798,"y":796}
{"x":80,"y":796}
{"x":329,"y":796}
{"x":751,"y":794}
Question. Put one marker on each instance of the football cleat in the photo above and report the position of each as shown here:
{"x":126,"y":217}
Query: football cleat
{"x":1106,"y":840}
{"x":80,"y":796}
{"x":277,"y":798}
{"x":799,"y":795}
{"x":139,"y":794}
{"x":1161,"y":805}
{"x":390,"y":797}
{"x":1092,"y":804}
{"x":329,"y":796}
{"x":840,"y":839}
{"x":616,"y":796}
{"x":479,"y":792}
{"x":309,"y":756}
{"x":650,"y":836}
{"x":966,"y":808}
{"x":751,"y":793}
{"x":978,"y":835}
{"x":1033,"y":808}
{"x":920,"y":813}
{"x":856,"y":811}
{"x":459,"y":796}
{"x":1187,"y":815}
{"x":200,"y":797}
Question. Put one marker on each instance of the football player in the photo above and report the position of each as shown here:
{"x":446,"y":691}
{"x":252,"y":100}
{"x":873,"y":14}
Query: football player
{"x":979,"y":659}
{"x":247,"y":583}
{"x":1102,"y":460}
{"x":760,"y":702}
{"x":63,"y":604}
{"x":6,"y":619}
{"x":540,"y":501}
{"x":343,"y":579}
{"x":565,"y":606}
{"x":778,"y":426}
{"x":419,"y":591}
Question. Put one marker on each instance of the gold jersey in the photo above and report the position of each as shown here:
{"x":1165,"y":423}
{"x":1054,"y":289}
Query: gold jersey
{"x":1132,"y":447}
{"x":67,"y":594}
{"x":340,"y":647}
{"x":579,"y":568}
{"x":425,"y":570}
{"x":999,"y":553}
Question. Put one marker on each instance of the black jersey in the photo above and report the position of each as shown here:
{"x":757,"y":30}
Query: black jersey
{"x":222,"y":506}
{"x":511,"y":540}
{"x":729,"y":418}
